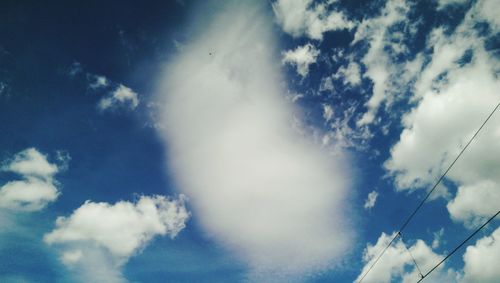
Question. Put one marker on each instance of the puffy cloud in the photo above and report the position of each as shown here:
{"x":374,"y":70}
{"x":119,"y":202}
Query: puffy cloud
{"x":123,"y":227}
{"x":370,"y":200}
{"x":327,"y":112}
{"x":301,"y":58}
{"x":397,"y":263}
{"x":476,"y":203}
{"x":36,"y":189}
{"x":98,"y":82}
{"x":111,"y":233}
{"x":122,"y":96}
{"x":302,"y":18}
{"x":482,"y":260}
{"x":30,"y":162}
{"x":349,"y":75}
{"x":257,"y":185}
{"x":454,"y":97}
{"x":30,"y":194}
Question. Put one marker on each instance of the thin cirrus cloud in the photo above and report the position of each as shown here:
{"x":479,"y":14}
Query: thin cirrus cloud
{"x":260,"y":188}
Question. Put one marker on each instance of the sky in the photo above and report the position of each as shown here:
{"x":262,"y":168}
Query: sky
{"x":248,"y":141}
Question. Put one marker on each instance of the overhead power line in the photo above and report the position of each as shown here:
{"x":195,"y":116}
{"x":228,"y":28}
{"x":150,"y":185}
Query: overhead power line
{"x":410,"y":217}
{"x":458,"y":247}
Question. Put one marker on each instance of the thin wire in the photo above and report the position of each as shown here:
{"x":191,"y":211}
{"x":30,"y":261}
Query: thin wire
{"x":459,"y":246}
{"x":379,"y":256}
{"x":430,"y":192}
{"x":411,"y":255}
{"x":449,"y":168}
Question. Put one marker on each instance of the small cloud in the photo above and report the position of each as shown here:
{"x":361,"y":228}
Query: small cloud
{"x":122,"y":96}
{"x":98,"y":82}
{"x":36,"y":189}
{"x":436,"y":242}
{"x":371,"y":200}
{"x":30,"y":162}
{"x":301,"y":58}
{"x":327,"y":112}
{"x":303,"y":18}
{"x":75,"y":69}
{"x":349,"y":75}
{"x":4,"y":89}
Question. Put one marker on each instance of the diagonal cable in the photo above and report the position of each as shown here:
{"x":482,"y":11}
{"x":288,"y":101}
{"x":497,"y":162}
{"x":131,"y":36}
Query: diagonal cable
{"x":430,"y":192}
{"x":459,"y":246}
{"x":411,"y":255}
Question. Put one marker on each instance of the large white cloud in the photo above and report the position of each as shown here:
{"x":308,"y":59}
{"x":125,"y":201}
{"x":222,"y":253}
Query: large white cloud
{"x":482,"y":260}
{"x":257,"y":186}
{"x":111,"y":233}
{"x":454,"y":97}
{"x":37,"y":187}
{"x":303,"y":18}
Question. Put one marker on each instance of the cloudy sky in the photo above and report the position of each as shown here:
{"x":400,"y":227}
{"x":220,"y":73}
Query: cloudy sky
{"x":248,"y":141}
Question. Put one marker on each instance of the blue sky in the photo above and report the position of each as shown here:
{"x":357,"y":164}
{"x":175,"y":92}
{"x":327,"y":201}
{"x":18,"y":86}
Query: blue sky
{"x":247,"y":141}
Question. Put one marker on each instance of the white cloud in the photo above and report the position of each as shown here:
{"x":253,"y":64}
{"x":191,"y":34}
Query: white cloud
{"x":36,"y":189}
{"x":474,"y":204}
{"x":378,"y":60}
{"x":437,"y":241}
{"x":99,"y":82}
{"x":488,"y":10}
{"x":370,"y":200}
{"x":453,"y":99}
{"x":111,"y":233}
{"x":396,"y":265}
{"x":301,"y":58}
{"x":71,"y":257}
{"x":30,"y":194}
{"x":122,"y":96}
{"x":342,"y":135}
{"x":349,"y":75}
{"x":257,"y":186}
{"x":327,"y":112}
{"x":30,"y":162}
{"x":482,"y":260}
{"x":303,"y":18}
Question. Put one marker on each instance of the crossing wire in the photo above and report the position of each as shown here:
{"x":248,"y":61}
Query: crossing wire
{"x":407,"y":221}
{"x":458,"y":247}
{"x":411,"y":255}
